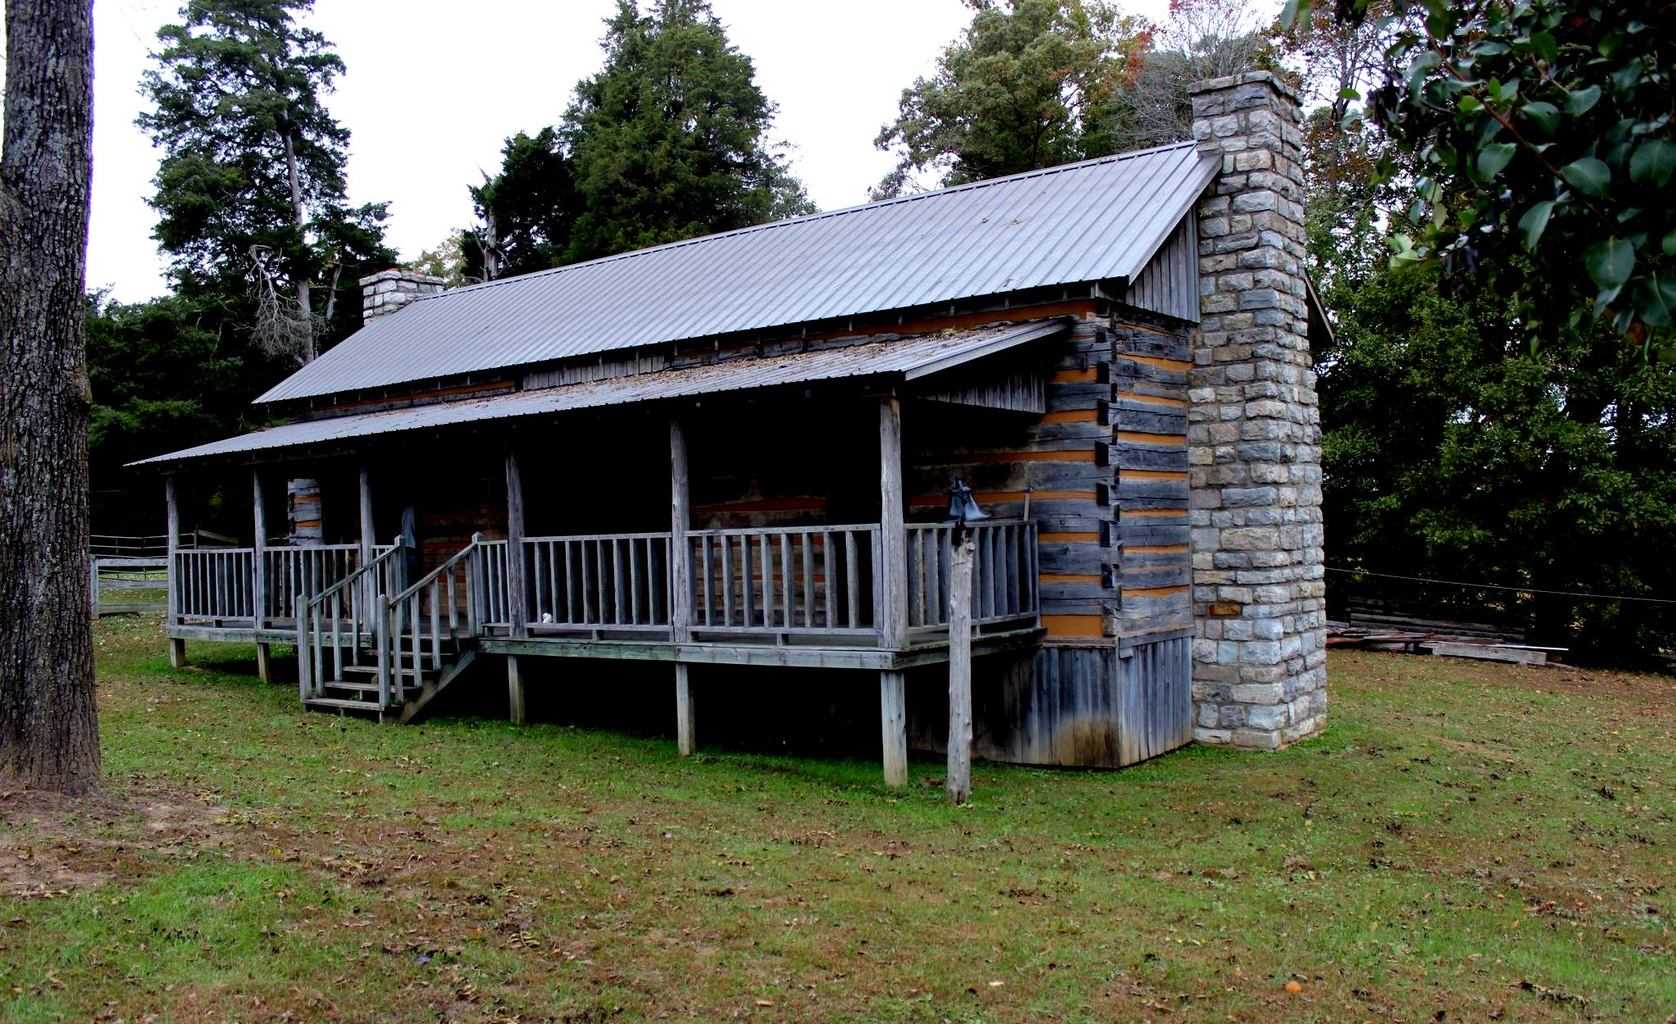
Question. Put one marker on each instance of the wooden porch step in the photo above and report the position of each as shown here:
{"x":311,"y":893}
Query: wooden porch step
{"x":366,"y":687}
{"x":341,"y":703}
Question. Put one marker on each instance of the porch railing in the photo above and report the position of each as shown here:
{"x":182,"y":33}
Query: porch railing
{"x":1003,"y":572}
{"x":765,"y":584}
{"x":214,"y":583}
{"x":336,"y":623}
{"x":614,"y":581}
{"x":219,"y":584}
{"x":785,"y":580}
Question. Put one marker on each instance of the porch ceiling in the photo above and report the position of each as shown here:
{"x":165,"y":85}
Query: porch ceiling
{"x":897,"y":358}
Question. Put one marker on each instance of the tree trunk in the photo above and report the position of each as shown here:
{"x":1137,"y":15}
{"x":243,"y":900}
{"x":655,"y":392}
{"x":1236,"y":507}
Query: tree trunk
{"x":299,"y":217}
{"x":49,"y":729}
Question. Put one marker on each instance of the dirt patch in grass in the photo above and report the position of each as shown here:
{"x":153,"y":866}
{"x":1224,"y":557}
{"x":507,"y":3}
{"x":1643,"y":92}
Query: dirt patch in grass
{"x":51,"y":845}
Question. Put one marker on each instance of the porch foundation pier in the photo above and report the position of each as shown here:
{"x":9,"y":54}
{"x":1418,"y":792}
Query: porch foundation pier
{"x":514,"y":690}
{"x":680,"y":576}
{"x":264,"y":662}
{"x":1254,"y":436}
{"x":892,"y":610}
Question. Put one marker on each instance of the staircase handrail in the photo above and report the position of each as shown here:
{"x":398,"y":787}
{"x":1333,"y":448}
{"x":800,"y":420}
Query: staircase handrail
{"x":428,"y":578}
{"x":360,"y":572}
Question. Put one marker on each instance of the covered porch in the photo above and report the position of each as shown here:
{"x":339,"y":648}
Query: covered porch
{"x":736,"y":526}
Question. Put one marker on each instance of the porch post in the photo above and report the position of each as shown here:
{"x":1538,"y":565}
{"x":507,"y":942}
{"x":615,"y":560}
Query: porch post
{"x":177,"y":646}
{"x":367,"y":539}
{"x":259,"y":572}
{"x":680,"y":583}
{"x":515,"y":609}
{"x":892,"y":613}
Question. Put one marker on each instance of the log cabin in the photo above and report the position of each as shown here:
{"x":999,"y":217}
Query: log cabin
{"x":737,"y":450}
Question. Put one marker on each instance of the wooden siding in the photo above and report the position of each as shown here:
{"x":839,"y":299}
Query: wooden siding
{"x":1067,"y":705}
{"x":1170,"y":282}
{"x":1060,"y":456}
{"x":1149,"y":450}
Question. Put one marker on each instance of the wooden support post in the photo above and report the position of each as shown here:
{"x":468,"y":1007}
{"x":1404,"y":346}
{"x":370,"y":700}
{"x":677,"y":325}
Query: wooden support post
{"x":893,"y":721}
{"x":680,"y":583}
{"x":514,"y":690}
{"x":264,"y":663}
{"x":516,"y":602}
{"x":370,"y":585}
{"x":93,"y":582}
{"x":177,"y":652}
{"x":686,"y":732}
{"x":958,"y":778}
{"x":893,"y":532}
{"x":258,"y":566}
{"x":367,"y":537}
{"x":172,"y":542}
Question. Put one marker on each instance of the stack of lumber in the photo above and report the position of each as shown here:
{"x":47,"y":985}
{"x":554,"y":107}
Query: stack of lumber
{"x":1442,"y":639}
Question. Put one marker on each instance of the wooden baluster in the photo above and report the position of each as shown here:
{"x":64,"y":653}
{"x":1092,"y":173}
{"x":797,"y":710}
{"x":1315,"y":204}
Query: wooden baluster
{"x":707,"y":578}
{"x":436,"y":626}
{"x":726,"y":544}
{"x":748,"y":577}
{"x":634,"y":581}
{"x":829,"y":574}
{"x":788,"y":596}
{"x":808,"y":580}
{"x":852,"y":578}
{"x":766,"y":567}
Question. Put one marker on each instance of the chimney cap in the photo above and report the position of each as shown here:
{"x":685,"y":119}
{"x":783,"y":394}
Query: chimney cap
{"x":398,"y":274}
{"x":1246,"y":78}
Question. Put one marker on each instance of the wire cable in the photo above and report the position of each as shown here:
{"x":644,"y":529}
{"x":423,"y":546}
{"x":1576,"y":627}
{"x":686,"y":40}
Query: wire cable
{"x":1501,"y":586}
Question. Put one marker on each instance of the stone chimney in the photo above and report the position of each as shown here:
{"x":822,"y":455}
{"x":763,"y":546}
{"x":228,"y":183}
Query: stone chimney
{"x":387,"y":291}
{"x":1254,"y":436}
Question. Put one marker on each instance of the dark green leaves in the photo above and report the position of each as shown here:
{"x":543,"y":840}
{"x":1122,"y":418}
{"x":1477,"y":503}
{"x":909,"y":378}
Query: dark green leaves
{"x":1545,"y":116}
{"x":1609,"y":263}
{"x":1581,"y":101}
{"x":1494,"y":158}
{"x":1535,"y":222}
{"x":1589,"y":176}
{"x":1653,"y":163}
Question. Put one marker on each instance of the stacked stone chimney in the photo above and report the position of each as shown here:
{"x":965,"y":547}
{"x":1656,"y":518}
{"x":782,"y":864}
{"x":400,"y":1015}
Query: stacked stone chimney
{"x":389,"y":290}
{"x":1254,"y":448}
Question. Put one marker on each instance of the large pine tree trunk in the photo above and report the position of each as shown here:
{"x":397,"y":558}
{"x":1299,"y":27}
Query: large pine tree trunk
{"x":49,"y":730}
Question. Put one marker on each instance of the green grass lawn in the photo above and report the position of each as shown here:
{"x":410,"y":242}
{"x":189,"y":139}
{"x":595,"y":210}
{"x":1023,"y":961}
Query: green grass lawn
{"x":1466,"y":842}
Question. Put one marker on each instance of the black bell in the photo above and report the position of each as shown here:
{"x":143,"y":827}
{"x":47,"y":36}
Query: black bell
{"x":963,"y":508}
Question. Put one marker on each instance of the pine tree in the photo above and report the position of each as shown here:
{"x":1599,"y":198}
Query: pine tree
{"x":670,"y":139}
{"x":251,"y":197}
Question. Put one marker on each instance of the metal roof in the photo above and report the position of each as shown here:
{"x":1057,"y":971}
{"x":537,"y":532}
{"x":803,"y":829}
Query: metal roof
{"x":1095,"y":220}
{"x":907,"y":358}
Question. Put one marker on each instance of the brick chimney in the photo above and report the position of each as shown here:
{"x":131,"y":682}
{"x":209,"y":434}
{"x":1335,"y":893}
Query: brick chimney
{"x":387,"y":291}
{"x":1254,"y":436}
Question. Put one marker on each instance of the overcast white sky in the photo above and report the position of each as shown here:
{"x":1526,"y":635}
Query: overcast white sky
{"x":424,"y":123}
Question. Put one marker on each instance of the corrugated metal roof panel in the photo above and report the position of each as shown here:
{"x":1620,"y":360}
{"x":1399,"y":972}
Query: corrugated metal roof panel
{"x":909,"y":357}
{"x":1089,"y":221}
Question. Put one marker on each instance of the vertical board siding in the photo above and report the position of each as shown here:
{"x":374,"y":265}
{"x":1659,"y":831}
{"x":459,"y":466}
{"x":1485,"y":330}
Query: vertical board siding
{"x":1071,"y":706}
{"x":1169,"y":284}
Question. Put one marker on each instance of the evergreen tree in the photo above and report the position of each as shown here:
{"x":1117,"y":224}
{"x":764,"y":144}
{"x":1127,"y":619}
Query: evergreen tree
{"x":1031,"y":83}
{"x":525,"y":212}
{"x":251,"y":198}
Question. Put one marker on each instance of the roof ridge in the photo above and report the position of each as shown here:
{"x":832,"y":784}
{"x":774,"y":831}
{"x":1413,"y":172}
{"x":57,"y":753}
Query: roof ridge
{"x":810,"y":217}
